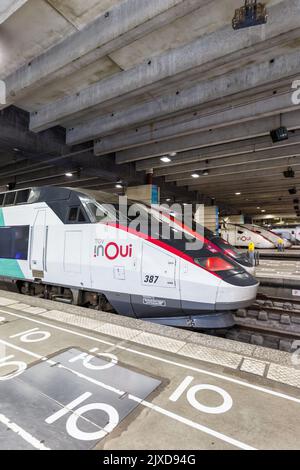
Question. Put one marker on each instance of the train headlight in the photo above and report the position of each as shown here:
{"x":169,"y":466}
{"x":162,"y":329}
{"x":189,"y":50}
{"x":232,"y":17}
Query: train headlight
{"x":214,"y":264}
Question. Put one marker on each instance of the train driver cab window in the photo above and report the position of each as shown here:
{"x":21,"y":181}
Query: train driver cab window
{"x":73,"y":214}
{"x":1,"y":199}
{"x":76,"y":215}
{"x":99,"y":213}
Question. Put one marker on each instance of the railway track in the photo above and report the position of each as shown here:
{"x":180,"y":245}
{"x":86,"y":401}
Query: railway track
{"x":271,"y":321}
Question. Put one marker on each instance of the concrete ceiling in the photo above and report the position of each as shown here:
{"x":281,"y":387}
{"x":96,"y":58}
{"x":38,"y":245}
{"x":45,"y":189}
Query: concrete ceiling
{"x":117,"y":84}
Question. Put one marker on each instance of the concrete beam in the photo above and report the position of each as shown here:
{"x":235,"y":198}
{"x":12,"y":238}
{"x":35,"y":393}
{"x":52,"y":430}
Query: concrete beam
{"x":273,"y":155}
{"x":14,"y":133}
{"x":207,"y":120}
{"x":240,"y":169}
{"x":247,"y":146}
{"x":9,"y":7}
{"x":246,"y":189}
{"x":283,"y":26}
{"x":274,"y":205}
{"x":235,"y":82}
{"x":253,"y":171}
{"x":242,"y":131}
{"x":228,"y":182}
{"x":123,"y":24}
{"x":57,"y":175}
{"x":260,"y":196}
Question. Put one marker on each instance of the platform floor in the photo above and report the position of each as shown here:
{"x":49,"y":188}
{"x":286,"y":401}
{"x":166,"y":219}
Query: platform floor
{"x":72,"y":378}
{"x":278,"y":269}
{"x":289,"y":254}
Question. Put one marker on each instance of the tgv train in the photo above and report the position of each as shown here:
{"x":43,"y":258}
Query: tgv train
{"x":269,"y":235}
{"x":65,"y":244}
{"x":242,"y":235}
{"x":220,"y":245}
{"x":292,"y":234}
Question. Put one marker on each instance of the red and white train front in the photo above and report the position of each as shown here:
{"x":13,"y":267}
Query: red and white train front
{"x":172,"y":279}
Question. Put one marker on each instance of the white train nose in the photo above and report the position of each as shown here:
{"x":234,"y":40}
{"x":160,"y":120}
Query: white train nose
{"x":229,"y":297}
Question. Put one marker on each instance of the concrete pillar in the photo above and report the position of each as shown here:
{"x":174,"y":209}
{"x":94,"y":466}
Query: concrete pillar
{"x":209,"y":217}
{"x":149,"y":193}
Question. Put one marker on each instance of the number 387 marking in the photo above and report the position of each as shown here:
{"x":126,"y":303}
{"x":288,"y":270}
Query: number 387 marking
{"x":151,"y":279}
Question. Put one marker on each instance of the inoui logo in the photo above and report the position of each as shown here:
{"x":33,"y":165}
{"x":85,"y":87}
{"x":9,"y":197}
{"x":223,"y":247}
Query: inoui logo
{"x":112,"y":250}
{"x":2,"y":92}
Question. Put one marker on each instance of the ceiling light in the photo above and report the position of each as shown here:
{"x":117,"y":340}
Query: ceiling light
{"x":168,"y":200}
{"x":205,"y":173}
{"x":165,"y":159}
{"x":173,"y":154}
{"x":69,"y":174}
{"x":258,"y":208}
{"x":238,"y":194}
{"x":263,"y":210}
{"x":195,"y":175}
{"x":119,"y":186}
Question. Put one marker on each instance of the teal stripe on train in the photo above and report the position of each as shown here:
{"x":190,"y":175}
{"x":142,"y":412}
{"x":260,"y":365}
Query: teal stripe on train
{"x":2,"y":223}
{"x":9,"y":267}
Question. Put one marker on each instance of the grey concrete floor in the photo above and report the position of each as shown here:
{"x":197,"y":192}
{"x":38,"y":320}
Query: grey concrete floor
{"x":281,"y":268}
{"x":168,"y":401}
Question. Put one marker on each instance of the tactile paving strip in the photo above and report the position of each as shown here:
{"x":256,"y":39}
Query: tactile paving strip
{"x":212,"y":355}
{"x":74,"y":320}
{"x":5,"y":302}
{"x":118,"y":331}
{"x":253,"y":367}
{"x":285,"y":375}
{"x":160,"y":342}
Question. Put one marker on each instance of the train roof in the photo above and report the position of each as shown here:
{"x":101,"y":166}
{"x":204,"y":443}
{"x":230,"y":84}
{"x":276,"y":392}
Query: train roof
{"x":50,"y":194}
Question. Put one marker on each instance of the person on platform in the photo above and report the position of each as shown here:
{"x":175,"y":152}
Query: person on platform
{"x":280,"y":245}
{"x":251,"y":253}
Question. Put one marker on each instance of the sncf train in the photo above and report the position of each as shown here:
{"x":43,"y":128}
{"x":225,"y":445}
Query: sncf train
{"x":292,"y":234}
{"x":220,"y":245}
{"x":63,"y":244}
{"x":242,"y":235}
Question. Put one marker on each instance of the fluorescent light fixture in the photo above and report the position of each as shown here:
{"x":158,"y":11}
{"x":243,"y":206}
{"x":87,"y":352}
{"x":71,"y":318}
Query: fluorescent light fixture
{"x":69,"y":174}
{"x":119,"y":186}
{"x":238,"y":194}
{"x":173,"y":154}
{"x":195,"y":175}
{"x":168,"y":200}
{"x":205,"y":173}
{"x":165,"y":159}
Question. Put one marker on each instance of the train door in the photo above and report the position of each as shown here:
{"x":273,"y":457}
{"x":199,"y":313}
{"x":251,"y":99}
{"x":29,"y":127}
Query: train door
{"x":160,"y":284}
{"x":38,"y":242}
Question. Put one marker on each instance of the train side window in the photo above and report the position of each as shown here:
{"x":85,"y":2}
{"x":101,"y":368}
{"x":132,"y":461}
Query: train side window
{"x":14,"y":242}
{"x":73,"y":213}
{"x":1,"y":199}
{"x":9,"y":199}
{"x":81,"y":216}
{"x":240,"y":232}
{"x":76,"y":215}
{"x":22,"y":196}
